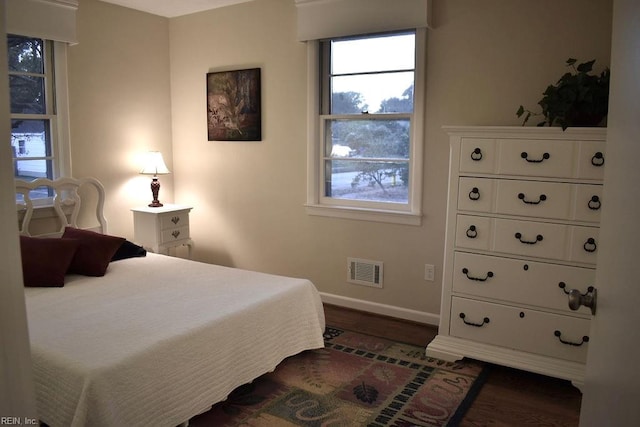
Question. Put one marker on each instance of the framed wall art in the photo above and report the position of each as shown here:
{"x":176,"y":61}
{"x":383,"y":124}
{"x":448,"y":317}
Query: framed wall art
{"x":234,"y":105}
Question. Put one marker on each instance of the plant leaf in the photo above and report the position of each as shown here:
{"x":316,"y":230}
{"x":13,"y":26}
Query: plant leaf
{"x":520,"y":111}
{"x":585,"y":67}
{"x":571,"y":61}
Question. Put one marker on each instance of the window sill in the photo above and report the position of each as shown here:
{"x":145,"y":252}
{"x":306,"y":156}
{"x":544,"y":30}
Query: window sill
{"x":392,"y":217}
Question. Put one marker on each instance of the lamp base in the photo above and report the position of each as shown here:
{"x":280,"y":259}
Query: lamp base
{"x":155,"y":189}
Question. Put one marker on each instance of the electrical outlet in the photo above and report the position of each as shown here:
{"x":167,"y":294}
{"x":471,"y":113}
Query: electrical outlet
{"x":429,"y":272}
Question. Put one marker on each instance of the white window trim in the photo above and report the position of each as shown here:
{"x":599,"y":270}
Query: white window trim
{"x":62,"y":145}
{"x":315,"y":205}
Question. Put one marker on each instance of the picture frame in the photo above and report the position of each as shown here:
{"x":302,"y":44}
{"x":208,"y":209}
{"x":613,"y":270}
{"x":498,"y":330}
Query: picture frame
{"x":234,"y":110}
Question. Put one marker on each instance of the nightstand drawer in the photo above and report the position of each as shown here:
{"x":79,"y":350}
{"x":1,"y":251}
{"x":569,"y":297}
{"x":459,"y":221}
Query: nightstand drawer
{"x":174,"y":219}
{"x":174,"y":234}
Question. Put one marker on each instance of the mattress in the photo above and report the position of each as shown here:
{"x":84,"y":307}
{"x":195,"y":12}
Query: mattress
{"x":158,"y":339}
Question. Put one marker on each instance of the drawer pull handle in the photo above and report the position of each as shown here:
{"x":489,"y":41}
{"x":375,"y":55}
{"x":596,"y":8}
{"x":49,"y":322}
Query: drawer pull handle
{"x":476,"y":155}
{"x":539,"y":238}
{"x":563,"y":286}
{"x":471,"y":232}
{"x":525,"y":156}
{"x":175,"y":219}
{"x":477,"y":325}
{"x":175,"y":233}
{"x":575,"y":344}
{"x":598,"y":159}
{"x":590,"y":245}
{"x":474,"y":194}
{"x":594,"y":203}
{"x":522,"y":197}
{"x":489,"y":275}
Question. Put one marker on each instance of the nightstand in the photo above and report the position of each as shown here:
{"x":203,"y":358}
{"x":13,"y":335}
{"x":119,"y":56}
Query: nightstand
{"x":161,"y":228}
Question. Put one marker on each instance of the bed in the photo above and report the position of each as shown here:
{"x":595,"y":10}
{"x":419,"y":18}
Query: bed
{"x":156,"y":340}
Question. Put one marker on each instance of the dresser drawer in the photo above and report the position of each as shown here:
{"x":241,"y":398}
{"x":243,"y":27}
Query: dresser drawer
{"x":478,"y":155}
{"x":533,"y":157}
{"x":474,"y":232}
{"x":536,"y":158}
{"x":534,"y":198}
{"x":588,"y":203}
{"x":554,"y":335}
{"x":476,"y":194}
{"x":527,"y":238}
{"x":174,"y":219}
{"x":519,"y":281}
{"x":591,"y":159}
{"x":530,"y":238}
{"x":546,"y":240}
{"x":584,"y":244}
{"x":553,"y":200}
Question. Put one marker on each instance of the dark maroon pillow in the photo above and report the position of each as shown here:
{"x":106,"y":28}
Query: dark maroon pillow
{"x":94,"y":253}
{"x":45,"y":261}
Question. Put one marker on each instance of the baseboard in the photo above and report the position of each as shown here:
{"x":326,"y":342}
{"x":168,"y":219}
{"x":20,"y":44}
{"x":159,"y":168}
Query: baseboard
{"x":383,"y":309}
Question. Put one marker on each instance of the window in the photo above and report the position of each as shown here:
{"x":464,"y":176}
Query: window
{"x":369,"y":133}
{"x":36,"y":123}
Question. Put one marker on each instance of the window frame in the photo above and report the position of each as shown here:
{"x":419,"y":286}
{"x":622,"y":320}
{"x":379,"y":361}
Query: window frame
{"x":57,"y":111}
{"x":317,"y":203}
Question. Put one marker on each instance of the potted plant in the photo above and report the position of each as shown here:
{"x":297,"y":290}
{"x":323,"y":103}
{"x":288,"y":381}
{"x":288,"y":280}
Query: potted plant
{"x":577,"y":99}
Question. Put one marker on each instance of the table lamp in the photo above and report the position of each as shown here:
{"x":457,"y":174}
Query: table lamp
{"x":154,"y":165}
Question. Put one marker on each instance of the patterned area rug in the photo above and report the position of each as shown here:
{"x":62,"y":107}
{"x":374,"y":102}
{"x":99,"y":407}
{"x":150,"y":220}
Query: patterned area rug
{"x":356,"y":380}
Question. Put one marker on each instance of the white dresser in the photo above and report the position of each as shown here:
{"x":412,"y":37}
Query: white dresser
{"x":522,"y":232}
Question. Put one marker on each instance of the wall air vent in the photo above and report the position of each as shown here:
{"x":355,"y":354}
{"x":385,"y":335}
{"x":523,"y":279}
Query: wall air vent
{"x":364,"y":272}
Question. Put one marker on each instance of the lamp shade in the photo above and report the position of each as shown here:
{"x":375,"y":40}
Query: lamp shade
{"x":154,"y":164}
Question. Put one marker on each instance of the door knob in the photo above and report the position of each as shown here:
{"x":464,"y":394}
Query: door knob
{"x":588,"y":299}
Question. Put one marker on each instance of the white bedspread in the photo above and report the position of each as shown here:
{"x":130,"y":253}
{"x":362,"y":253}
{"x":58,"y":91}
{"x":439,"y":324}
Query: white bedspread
{"x":158,"y":340}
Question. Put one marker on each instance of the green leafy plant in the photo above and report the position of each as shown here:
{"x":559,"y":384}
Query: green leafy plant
{"x":577,"y":99}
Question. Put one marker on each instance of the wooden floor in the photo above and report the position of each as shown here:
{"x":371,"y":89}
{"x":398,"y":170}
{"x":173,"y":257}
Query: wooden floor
{"x":509,"y":397}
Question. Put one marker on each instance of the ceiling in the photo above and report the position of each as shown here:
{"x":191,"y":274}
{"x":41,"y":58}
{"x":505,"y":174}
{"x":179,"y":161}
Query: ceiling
{"x":173,"y":8}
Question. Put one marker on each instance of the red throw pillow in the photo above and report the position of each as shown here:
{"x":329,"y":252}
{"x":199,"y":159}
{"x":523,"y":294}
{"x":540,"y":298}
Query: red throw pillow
{"x":45,"y":261}
{"x":94,"y":253}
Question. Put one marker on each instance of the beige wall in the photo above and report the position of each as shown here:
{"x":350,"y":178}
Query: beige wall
{"x":484,"y":60}
{"x":119,"y":104}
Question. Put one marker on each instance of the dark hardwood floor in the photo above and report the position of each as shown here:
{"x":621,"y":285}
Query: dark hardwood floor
{"x":509,"y":397}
